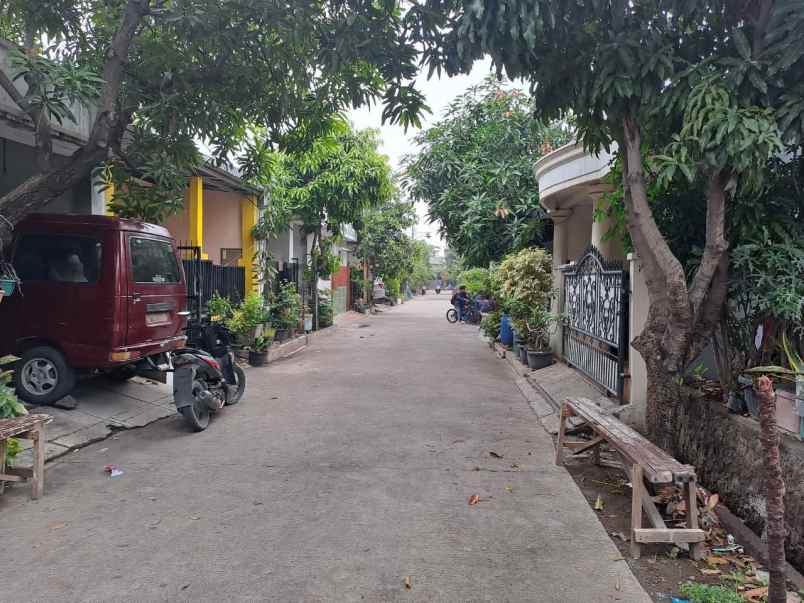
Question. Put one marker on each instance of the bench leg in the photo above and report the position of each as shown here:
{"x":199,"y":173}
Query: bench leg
{"x":638,"y":491}
{"x":37,"y":435}
{"x":697,"y":549}
{"x":562,"y":434}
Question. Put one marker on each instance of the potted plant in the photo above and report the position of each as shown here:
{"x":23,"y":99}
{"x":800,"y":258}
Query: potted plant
{"x":286,"y":310}
{"x":538,"y":326}
{"x":8,"y":279}
{"x":245,"y":318}
{"x":258,"y":354}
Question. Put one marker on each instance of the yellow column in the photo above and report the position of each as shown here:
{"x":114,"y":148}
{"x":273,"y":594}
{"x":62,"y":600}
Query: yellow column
{"x":248,"y":219}
{"x":108,"y":195}
{"x":195,"y":213}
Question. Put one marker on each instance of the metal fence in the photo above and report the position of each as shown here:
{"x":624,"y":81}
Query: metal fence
{"x":204,"y":279}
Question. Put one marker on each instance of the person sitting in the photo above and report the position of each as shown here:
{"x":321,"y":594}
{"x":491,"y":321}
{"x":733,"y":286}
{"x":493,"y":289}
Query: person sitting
{"x":461,"y":302}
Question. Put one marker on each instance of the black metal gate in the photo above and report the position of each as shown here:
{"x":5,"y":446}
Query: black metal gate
{"x":205,"y":279}
{"x":595,"y":319}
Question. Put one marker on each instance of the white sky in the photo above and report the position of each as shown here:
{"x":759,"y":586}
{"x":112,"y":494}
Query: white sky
{"x":396,"y":143}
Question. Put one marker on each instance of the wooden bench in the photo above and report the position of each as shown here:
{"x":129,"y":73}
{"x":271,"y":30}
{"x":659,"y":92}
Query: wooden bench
{"x":645,"y":462}
{"x":29,"y":427}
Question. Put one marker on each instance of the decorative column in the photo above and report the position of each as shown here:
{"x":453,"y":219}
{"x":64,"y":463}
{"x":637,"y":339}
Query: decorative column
{"x":248,"y":220}
{"x":195,"y":213}
{"x":560,"y":237}
{"x":611,"y":249}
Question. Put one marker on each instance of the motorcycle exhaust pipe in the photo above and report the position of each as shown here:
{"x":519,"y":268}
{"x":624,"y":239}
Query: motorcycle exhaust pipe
{"x":213,"y":404}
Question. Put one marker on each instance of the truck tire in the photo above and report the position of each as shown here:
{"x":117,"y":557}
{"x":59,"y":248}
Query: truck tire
{"x":43,"y":376}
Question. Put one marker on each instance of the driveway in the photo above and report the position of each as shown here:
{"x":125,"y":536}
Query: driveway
{"x":343,"y":472}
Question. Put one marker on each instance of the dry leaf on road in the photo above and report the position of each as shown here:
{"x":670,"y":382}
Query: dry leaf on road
{"x":474,"y":499}
{"x":408,"y":583}
{"x":495,"y":455}
{"x":599,"y":503}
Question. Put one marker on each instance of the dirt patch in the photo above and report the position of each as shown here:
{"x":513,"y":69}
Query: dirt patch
{"x":658,"y":573}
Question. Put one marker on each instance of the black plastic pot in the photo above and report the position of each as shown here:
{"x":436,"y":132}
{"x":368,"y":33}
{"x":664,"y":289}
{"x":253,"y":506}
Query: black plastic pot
{"x":282,"y":335}
{"x":523,"y":354}
{"x":539,"y":360}
{"x":258,"y":358}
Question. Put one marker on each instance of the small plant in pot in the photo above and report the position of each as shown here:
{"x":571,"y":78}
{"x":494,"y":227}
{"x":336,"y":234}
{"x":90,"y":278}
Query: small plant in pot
{"x":258,"y":354}
{"x":538,"y":326}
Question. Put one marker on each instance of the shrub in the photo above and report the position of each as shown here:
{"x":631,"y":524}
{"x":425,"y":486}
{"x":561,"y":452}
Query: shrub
{"x":287,"y":306}
{"x":10,"y":406}
{"x":702,"y":593}
{"x":490,"y":325}
{"x":392,"y":288}
{"x":245,"y":318}
{"x":525,"y":284}
{"x":476,"y":280}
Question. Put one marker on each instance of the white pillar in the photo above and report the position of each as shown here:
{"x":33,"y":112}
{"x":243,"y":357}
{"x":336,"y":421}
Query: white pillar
{"x":611,"y":249}
{"x":290,"y":243}
{"x":637,"y":318}
{"x":97,"y":197}
{"x":560,"y":236}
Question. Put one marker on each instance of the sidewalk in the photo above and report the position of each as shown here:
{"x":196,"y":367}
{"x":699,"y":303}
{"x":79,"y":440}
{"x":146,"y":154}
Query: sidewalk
{"x":103,"y":407}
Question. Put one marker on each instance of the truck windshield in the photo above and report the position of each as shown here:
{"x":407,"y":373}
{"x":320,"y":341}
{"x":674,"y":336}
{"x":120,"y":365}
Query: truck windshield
{"x":153,"y":261}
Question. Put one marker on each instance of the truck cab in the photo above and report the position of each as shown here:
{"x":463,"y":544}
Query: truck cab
{"x":97,"y":293}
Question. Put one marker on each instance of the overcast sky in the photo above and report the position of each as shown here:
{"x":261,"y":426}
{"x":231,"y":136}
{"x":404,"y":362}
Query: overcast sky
{"x":396,"y":143}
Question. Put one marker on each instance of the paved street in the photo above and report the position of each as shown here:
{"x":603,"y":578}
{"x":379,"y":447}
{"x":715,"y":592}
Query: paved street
{"x":343,"y":471}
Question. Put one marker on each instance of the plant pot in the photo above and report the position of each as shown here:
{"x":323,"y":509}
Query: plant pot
{"x":539,"y":360}
{"x":308,"y":323}
{"x":258,"y":358}
{"x":269,"y":332}
{"x":281,"y":335}
{"x":523,"y":355}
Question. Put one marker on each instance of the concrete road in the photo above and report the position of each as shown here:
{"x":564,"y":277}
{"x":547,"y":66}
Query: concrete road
{"x":342,"y":472}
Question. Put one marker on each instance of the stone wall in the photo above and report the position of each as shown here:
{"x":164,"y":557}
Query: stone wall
{"x":727,"y":452}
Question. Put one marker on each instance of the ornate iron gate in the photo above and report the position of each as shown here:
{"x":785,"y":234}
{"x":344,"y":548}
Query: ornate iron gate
{"x":595,"y":319}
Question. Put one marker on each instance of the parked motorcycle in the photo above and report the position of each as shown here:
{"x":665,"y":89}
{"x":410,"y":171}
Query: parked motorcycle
{"x":205,"y":375}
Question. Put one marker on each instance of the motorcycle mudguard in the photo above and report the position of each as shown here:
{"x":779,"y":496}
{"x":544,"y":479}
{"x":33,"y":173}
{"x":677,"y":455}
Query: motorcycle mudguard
{"x":183,"y":378}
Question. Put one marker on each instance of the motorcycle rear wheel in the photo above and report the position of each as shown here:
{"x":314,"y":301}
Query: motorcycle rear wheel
{"x":240,"y":376}
{"x":452,"y":315}
{"x":197,"y":414}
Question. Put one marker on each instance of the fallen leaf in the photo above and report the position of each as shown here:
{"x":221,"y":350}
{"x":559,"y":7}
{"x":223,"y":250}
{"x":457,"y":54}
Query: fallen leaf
{"x":712,"y":560}
{"x":408,"y":583}
{"x":509,"y":489}
{"x":756,"y":593}
{"x":619,"y":584}
{"x":185,"y":587}
{"x":599,"y":503}
{"x":495,"y":455}
{"x":474,"y":499}
{"x":710,"y":572}
{"x":514,"y":466}
{"x":195,"y":517}
{"x":712,"y":502}
{"x":58,"y":526}
{"x":620,"y":535}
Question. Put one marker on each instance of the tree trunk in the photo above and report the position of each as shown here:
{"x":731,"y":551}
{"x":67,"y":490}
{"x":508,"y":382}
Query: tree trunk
{"x":774,"y":485}
{"x":37,"y":191}
{"x":664,"y":395}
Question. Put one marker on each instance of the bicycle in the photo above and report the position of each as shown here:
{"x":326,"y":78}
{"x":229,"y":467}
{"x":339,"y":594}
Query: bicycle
{"x":471,"y":315}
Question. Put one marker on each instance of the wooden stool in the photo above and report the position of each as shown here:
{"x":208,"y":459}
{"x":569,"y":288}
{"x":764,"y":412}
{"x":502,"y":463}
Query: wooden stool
{"x":30,"y":427}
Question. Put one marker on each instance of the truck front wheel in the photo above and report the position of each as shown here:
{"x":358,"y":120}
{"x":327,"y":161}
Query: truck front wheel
{"x":43,"y":376}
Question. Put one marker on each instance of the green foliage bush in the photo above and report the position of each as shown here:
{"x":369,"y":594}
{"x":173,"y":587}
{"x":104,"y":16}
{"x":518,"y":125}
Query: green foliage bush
{"x":10,"y":406}
{"x":476,"y":280}
{"x":525,"y":284}
{"x":286,"y":307}
{"x":245,"y":318}
{"x":325,"y":311}
{"x":703,"y":593}
{"x":490,"y":325}
{"x":392,"y":288}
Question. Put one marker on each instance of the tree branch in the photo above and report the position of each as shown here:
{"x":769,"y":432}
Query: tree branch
{"x":710,"y":311}
{"x":8,"y":86}
{"x":716,"y":244}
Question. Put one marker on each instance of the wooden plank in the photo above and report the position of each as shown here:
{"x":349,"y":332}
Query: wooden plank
{"x":18,"y":426}
{"x":25,"y":472}
{"x":668,"y":536}
{"x":562,"y":426}
{"x":659,"y":466}
{"x":38,"y":479}
{"x":698,"y":551}
{"x":653,"y":513}
{"x":589,"y":445}
{"x":5,"y":477}
{"x":637,"y":492}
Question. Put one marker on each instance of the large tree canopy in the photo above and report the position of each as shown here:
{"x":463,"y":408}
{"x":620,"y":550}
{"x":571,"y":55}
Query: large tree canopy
{"x":721,"y":79}
{"x":474,"y":169}
{"x":162,"y":74}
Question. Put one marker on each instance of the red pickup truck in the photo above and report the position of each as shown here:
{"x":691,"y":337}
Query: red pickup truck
{"x":96,"y":292}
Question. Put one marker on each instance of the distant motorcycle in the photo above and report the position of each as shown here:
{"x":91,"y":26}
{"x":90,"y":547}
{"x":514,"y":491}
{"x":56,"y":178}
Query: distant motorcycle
{"x":205,"y":375}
